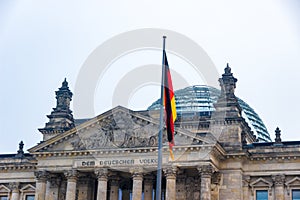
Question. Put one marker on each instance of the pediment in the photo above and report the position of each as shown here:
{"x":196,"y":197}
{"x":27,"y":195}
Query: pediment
{"x":261,"y":182}
{"x":28,"y":188}
{"x":4,"y":189}
{"x":115,"y":129}
{"x":293,"y":182}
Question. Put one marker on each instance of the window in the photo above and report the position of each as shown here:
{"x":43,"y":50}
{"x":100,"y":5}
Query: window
{"x":296,"y":194}
{"x":3,"y":198}
{"x":261,"y":195}
{"x":29,"y":197}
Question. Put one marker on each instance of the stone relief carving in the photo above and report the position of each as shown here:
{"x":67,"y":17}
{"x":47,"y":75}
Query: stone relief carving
{"x":120,"y":130}
{"x":278,"y":179}
{"x":14,"y":186}
{"x":41,"y":175}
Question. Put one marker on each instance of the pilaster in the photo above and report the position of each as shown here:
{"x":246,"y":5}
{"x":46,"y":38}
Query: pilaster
{"x":278,"y":181}
{"x":246,"y":182}
{"x":15,"y":190}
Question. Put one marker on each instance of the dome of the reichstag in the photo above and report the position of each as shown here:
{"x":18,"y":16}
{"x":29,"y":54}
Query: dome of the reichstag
{"x":199,"y":100}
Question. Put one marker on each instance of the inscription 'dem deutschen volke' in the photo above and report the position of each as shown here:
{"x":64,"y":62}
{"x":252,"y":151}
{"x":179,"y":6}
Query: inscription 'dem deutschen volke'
{"x":118,"y":162}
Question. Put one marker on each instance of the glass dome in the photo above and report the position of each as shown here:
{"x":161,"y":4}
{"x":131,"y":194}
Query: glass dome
{"x":199,"y":99}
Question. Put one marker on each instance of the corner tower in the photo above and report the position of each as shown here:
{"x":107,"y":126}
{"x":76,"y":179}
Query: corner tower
{"x":227,"y":105}
{"x":228,"y":124}
{"x":61,"y":118}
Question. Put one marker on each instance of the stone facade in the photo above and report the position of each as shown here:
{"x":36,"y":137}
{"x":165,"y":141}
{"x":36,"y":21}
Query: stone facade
{"x":114,"y":156}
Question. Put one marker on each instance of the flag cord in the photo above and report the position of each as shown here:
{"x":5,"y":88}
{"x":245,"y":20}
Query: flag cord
{"x":161,"y":119}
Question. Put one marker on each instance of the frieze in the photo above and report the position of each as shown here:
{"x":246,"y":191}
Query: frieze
{"x":151,"y":161}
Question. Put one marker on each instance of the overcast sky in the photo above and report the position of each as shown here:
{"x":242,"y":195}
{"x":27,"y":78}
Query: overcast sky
{"x":42,"y":42}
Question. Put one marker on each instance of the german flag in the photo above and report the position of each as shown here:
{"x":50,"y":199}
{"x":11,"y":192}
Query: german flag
{"x":169,"y":104}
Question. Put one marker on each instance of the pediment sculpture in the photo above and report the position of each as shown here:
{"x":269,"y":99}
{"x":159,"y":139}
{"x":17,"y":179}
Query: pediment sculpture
{"x":117,"y":131}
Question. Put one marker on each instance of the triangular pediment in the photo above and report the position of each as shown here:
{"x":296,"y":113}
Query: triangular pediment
{"x":4,"y":189}
{"x":294,"y":182}
{"x":261,"y":182}
{"x":115,"y":129}
{"x":28,"y":188}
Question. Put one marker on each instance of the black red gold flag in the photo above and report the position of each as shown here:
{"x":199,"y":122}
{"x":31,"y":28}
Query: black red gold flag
{"x":169,"y":104}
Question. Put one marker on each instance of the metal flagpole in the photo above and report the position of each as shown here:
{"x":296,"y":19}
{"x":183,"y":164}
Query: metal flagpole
{"x":161,"y":119}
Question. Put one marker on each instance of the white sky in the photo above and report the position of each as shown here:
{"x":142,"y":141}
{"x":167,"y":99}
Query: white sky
{"x":41,"y":42}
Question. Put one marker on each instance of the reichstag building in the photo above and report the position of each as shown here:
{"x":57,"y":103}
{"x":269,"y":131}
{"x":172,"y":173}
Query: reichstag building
{"x":223,"y":151}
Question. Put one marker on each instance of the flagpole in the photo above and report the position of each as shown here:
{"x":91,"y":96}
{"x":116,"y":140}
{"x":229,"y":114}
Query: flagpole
{"x":161,"y":120}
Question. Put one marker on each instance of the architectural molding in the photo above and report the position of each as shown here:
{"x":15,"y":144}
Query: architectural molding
{"x":261,"y":183}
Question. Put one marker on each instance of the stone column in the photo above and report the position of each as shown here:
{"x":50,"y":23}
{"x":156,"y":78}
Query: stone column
{"x":114,"y":188}
{"x":278,"y":181}
{"x":205,"y":173}
{"x":40,"y":188}
{"x":246,"y":181}
{"x":148,"y":187}
{"x":170,"y":174}
{"x":52,"y":188}
{"x":102,"y":183}
{"x":71,"y":176}
{"x":137,"y":187}
{"x":15,"y":190}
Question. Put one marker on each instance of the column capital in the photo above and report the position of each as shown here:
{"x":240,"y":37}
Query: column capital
{"x":278,"y":179}
{"x":137,"y":176}
{"x":41,"y":175}
{"x":137,"y":173}
{"x":14,"y":186}
{"x":205,"y":170}
{"x":71,"y":175}
{"x":170,"y":172}
{"x":101,"y":174}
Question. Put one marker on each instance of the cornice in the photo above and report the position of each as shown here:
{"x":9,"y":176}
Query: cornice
{"x":119,"y":151}
{"x":17,"y":168}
